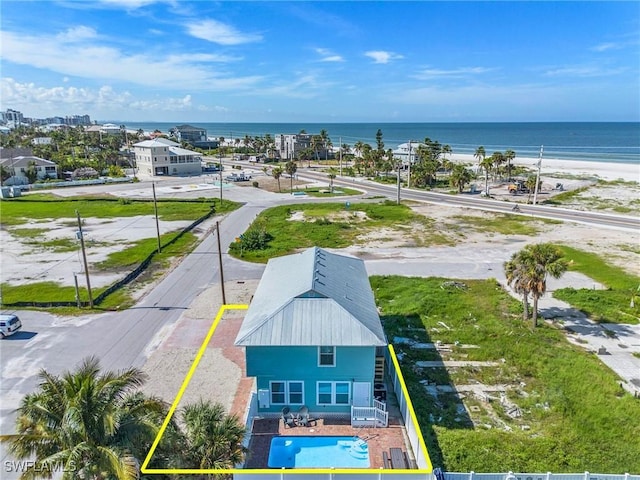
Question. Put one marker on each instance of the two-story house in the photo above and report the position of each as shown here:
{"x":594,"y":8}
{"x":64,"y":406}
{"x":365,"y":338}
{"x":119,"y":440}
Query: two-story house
{"x":17,"y":168}
{"x":312,"y":334}
{"x":161,"y":156}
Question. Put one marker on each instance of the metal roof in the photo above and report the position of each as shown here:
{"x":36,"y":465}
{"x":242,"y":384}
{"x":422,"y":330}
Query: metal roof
{"x":157,"y":142}
{"x":313,"y":298}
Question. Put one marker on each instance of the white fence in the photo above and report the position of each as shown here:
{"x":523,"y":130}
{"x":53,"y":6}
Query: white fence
{"x":412,"y":432}
{"x":538,"y":476}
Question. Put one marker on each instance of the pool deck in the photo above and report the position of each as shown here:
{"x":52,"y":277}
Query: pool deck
{"x":378,"y":439}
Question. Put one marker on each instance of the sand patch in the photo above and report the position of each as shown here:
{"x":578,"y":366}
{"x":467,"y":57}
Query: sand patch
{"x":354,"y":216}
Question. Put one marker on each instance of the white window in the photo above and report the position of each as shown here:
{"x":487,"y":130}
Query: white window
{"x":287,"y":393}
{"x":326,"y":356}
{"x":333,"y":393}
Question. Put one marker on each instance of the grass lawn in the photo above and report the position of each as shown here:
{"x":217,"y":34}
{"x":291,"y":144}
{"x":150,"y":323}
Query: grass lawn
{"x":608,"y":306}
{"x":328,"y":225}
{"x":503,"y":223}
{"x":40,"y":207}
{"x":569,"y":400}
{"x":322,"y":192}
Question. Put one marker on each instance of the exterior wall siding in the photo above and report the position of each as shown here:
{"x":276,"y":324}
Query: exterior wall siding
{"x":273,"y":363}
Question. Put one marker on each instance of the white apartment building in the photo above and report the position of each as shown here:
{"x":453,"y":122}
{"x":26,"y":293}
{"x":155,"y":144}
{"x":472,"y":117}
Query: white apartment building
{"x":163,"y":157}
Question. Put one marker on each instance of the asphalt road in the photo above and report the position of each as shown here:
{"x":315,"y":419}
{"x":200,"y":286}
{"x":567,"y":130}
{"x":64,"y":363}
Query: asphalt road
{"x":601,"y":220}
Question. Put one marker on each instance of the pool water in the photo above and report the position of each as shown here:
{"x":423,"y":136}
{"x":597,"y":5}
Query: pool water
{"x":318,"y":452}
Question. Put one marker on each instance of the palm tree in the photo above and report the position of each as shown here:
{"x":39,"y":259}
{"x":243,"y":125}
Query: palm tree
{"x":460,"y":176}
{"x":277,"y":173}
{"x":358,"y":147}
{"x":509,"y":155}
{"x":486,"y":164}
{"x":291,"y":168}
{"x":515,"y":271}
{"x":96,"y":424}
{"x":326,"y":142}
{"x":213,"y":439}
{"x":529,"y":269}
{"x":316,"y":143}
{"x":531,"y":183}
{"x":332,"y":175}
{"x":480,"y":153}
{"x":498,"y":160}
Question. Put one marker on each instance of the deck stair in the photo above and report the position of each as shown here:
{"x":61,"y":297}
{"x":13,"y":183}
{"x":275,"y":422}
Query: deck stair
{"x":375,"y":416}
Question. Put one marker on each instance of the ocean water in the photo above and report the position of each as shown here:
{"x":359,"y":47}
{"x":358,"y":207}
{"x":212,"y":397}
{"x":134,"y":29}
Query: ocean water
{"x":592,"y":141}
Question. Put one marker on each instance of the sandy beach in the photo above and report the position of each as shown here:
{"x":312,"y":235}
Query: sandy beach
{"x":551,"y":167}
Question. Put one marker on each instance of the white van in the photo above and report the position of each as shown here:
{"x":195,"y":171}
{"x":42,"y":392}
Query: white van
{"x":9,"y":324}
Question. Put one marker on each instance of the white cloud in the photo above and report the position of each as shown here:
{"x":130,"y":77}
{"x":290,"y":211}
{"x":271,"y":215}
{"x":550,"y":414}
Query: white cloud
{"x":584,"y":71}
{"x":603,"y":47}
{"x":128,"y":4}
{"x":380,"y":56}
{"x":77,"y":34}
{"x":429,"y":73}
{"x":220,"y":33}
{"x":328,"y":55}
{"x":105,"y":63}
{"x":54,"y":100}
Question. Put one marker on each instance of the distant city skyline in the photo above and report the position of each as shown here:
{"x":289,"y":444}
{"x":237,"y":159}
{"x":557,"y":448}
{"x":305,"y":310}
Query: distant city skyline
{"x":236,"y":61}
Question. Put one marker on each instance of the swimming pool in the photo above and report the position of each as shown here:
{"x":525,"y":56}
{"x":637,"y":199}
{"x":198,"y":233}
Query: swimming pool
{"x":318,"y":452}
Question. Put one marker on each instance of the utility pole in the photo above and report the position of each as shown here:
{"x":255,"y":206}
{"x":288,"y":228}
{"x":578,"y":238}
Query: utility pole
{"x":340,"y":153}
{"x":155,"y":209}
{"x":398,"y":199}
{"x":84,"y":258}
{"x":535,"y":192}
{"x":75,"y":283}
{"x":224,"y":298}
{"x":409,"y":168}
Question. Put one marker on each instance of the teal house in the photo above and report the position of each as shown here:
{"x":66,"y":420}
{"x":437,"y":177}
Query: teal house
{"x":312,"y":335}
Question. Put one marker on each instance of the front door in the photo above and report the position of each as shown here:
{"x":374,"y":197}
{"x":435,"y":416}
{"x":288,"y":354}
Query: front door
{"x":361,"y":394}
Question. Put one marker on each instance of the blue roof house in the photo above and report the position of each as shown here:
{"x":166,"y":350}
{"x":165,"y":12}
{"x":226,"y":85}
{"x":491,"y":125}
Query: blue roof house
{"x":311,"y":335}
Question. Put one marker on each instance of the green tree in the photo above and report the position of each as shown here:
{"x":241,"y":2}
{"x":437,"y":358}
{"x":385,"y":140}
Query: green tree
{"x":480,"y":153}
{"x":5,"y":174}
{"x":531,"y":183}
{"x":460,"y":176}
{"x":379,"y":142}
{"x":291,"y":168}
{"x":97,"y":425}
{"x":332,"y":175}
{"x":212,"y":438}
{"x":316,"y":144}
{"x":486,"y":164}
{"x":528,"y":270}
{"x":509,"y":156}
{"x":31,"y":173}
{"x":277,"y":173}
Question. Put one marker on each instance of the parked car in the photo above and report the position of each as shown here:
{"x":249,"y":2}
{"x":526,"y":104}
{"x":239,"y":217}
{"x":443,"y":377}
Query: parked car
{"x":9,"y":324}
{"x":238,"y":177}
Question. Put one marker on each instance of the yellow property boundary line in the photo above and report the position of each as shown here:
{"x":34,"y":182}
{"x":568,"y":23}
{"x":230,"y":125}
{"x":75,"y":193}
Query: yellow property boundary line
{"x":179,"y":471}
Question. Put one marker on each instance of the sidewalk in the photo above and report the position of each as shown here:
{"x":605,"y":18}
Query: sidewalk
{"x":613,"y":343}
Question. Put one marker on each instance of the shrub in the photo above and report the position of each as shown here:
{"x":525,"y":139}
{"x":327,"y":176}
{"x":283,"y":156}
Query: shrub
{"x":255,"y":184}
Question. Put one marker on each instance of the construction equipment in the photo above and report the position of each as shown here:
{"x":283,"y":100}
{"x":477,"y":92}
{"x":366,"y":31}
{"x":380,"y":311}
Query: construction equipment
{"x":518,"y":187}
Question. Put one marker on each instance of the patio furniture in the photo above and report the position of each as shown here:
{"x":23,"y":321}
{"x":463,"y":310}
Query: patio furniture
{"x":385,"y":460}
{"x":303,"y":416}
{"x":398,"y":459}
{"x":288,"y":418}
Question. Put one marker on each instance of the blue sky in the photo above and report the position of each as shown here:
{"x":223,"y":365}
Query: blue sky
{"x":386,"y":61}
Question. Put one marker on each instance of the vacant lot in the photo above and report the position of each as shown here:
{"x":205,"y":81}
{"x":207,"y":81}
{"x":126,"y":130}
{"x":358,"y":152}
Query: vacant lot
{"x":516,"y":399}
{"x":42,"y":250}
